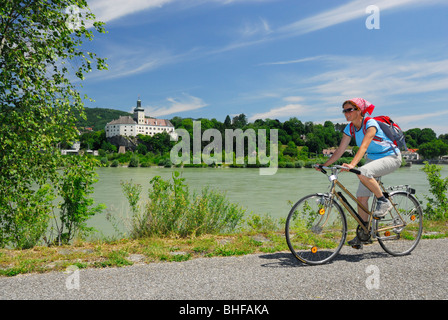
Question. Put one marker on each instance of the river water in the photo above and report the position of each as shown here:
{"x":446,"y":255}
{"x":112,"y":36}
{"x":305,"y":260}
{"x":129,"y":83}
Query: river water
{"x":260,"y":194}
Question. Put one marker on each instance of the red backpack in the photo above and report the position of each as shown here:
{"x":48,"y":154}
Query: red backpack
{"x":390,"y":129}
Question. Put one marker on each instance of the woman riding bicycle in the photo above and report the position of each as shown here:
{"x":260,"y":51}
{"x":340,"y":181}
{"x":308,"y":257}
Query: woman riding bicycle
{"x":383,"y":157}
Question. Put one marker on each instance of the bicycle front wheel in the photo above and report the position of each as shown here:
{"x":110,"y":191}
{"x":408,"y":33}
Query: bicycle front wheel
{"x":316,"y":229}
{"x":401,"y":229}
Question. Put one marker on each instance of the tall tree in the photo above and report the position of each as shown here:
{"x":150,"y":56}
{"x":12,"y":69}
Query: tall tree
{"x":433,"y":149}
{"x":227,"y":123}
{"x":38,"y":104}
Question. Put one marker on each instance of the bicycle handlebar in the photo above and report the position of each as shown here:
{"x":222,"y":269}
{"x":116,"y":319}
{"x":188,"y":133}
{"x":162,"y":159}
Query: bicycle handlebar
{"x":322,"y":168}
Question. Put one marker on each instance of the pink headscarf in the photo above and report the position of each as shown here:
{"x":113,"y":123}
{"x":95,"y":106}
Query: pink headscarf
{"x":363,"y":105}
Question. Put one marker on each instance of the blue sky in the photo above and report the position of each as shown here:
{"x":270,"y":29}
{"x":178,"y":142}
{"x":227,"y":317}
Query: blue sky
{"x":273,"y":58}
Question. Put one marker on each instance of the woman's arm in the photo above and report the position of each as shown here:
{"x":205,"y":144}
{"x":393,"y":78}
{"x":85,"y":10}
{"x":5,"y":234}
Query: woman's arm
{"x":340,"y":150}
{"x":368,"y":137}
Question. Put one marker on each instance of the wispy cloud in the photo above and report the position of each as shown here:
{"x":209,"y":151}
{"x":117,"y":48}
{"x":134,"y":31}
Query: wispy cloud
{"x":388,"y":83}
{"x":250,"y":33}
{"x":108,"y":10}
{"x":238,"y":1}
{"x":176,"y":105}
{"x":255,"y":28}
{"x":352,"y":76}
{"x":346,"y":12}
{"x":128,"y":60}
{"x":291,"y":109}
{"x":293,"y":61}
{"x":412,"y":120}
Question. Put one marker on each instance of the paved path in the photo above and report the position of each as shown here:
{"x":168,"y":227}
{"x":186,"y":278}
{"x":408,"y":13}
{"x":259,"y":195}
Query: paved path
{"x":421,"y":275}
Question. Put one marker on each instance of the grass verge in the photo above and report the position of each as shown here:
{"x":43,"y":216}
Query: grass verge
{"x":126,"y":252}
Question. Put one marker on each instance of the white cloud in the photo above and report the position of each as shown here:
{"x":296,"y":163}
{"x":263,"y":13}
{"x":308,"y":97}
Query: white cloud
{"x":293,"y":99}
{"x":127,"y":67}
{"x":293,"y":61}
{"x":347,"y":12}
{"x":434,"y":120}
{"x":407,"y":120}
{"x":127,"y":60}
{"x":108,"y":10}
{"x":185,"y":103}
{"x":290,"y":110}
{"x":238,"y":1}
{"x":255,"y":28}
{"x":393,"y":85}
{"x":353,"y":76}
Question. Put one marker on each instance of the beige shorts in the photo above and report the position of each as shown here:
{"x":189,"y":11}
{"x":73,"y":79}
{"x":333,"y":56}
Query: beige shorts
{"x":377,"y":169}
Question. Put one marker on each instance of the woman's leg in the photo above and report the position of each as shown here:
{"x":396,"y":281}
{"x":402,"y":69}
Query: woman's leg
{"x":365,"y":202}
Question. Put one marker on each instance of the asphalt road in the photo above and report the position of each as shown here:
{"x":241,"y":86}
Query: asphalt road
{"x":370,"y":273}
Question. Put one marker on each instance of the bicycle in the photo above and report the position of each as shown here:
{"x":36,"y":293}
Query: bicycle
{"x":316,"y":227}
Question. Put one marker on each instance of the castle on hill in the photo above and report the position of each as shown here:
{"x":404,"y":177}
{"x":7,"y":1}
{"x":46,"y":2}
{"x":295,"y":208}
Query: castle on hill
{"x":138,"y":124}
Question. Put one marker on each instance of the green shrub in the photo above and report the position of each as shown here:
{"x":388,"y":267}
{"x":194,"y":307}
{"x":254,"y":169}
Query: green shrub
{"x":263,"y":223}
{"x":437,"y":207}
{"x":104,"y":162}
{"x":165,"y":163}
{"x":299,"y":164}
{"x":134,"y":162}
{"x":27,"y":225}
{"x":77,"y":206}
{"x":289,"y":165}
{"x":114,"y":163}
{"x":173,"y":210}
{"x":310,"y":163}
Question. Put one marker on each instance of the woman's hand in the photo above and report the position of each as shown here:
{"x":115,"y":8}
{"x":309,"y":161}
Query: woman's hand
{"x":349,"y":166}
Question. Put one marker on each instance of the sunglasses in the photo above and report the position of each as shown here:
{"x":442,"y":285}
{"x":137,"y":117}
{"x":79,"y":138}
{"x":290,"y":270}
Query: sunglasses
{"x":349,"y":110}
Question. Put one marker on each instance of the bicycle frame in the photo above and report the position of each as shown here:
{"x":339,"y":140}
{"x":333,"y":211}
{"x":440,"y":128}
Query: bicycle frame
{"x":315,"y":235}
{"x":339,"y":195}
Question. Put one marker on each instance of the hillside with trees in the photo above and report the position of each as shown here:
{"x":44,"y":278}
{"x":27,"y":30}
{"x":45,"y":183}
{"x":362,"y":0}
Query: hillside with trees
{"x":300,"y":143}
{"x":97,"y":118}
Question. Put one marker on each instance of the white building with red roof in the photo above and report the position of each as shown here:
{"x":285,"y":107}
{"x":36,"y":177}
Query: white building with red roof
{"x":138,"y":124}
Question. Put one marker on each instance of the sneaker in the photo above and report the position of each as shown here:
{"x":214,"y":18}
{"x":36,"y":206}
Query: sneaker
{"x":382,"y":208}
{"x":355,"y":243}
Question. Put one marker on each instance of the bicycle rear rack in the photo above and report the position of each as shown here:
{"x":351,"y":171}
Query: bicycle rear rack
{"x":407,"y":188}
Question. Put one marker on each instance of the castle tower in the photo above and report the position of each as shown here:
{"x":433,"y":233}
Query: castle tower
{"x":139,"y":113}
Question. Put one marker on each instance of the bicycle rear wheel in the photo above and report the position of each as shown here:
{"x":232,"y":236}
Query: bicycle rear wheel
{"x":401,"y":229}
{"x":315,"y":229}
